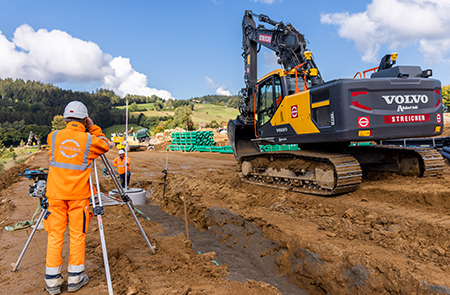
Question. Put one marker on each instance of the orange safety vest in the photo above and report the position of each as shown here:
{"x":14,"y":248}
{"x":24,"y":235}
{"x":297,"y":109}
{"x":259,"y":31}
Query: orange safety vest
{"x":120,"y":164}
{"x":71,"y":153}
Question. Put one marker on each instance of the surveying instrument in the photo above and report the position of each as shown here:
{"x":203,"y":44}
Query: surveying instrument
{"x":38,"y":190}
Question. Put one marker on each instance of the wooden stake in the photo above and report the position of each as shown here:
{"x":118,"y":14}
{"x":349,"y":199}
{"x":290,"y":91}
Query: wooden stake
{"x":185,"y":214}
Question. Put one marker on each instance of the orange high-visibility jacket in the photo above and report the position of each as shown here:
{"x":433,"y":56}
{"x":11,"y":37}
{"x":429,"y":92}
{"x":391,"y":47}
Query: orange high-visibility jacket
{"x":120,"y":164}
{"x":71,"y":153}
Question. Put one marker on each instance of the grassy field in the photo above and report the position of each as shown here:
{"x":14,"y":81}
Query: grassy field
{"x":119,"y":128}
{"x":147,"y":106}
{"x":202,"y":113}
{"x":7,"y":161}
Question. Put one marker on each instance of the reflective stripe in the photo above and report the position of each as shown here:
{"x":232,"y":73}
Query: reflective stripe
{"x":52,"y":283}
{"x":77,"y":167}
{"x":53,"y":145}
{"x":69,"y":166}
{"x":88,"y":147}
{"x":75,"y":268}
{"x":105,"y":140}
{"x":53,"y":270}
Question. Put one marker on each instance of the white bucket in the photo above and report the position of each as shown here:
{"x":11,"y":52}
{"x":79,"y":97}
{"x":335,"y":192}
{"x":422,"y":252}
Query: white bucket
{"x":137,"y":195}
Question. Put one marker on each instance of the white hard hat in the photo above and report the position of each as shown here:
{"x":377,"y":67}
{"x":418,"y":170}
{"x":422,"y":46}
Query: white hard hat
{"x":75,"y":109}
{"x":121,"y":152}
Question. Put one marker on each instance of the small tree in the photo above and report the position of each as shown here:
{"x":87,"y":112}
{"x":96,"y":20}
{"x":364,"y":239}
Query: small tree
{"x":158,"y":129}
{"x":133,"y":107}
{"x":446,"y":97}
{"x":14,"y":156}
{"x":58,"y":123}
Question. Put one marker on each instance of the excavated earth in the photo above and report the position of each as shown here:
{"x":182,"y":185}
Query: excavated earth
{"x":391,"y":236}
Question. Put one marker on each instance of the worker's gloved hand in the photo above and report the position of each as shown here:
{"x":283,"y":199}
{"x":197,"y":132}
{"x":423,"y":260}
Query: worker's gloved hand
{"x":88,"y":123}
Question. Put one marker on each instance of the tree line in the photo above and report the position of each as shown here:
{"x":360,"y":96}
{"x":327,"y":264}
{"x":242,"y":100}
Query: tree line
{"x":35,"y":106}
{"x":31,"y":106}
{"x":231,"y":101}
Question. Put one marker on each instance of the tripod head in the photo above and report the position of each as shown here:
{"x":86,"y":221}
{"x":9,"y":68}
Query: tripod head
{"x":37,"y":189}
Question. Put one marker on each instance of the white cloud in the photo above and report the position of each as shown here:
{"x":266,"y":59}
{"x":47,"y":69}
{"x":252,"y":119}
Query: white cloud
{"x":221,"y":90}
{"x":210,"y":82}
{"x":56,"y":56}
{"x":124,"y":80}
{"x":397,"y":24}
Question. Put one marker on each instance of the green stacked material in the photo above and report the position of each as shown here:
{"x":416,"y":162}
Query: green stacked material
{"x":184,"y":148}
{"x":278,"y":148}
{"x":195,"y":138}
{"x":226,"y":150}
{"x":214,"y":149}
{"x":192,"y":141}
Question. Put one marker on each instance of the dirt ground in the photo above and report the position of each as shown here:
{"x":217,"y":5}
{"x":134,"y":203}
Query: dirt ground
{"x":391,"y":236}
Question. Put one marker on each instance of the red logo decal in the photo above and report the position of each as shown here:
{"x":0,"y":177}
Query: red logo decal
{"x":294,"y":111}
{"x":265,"y":38}
{"x":438,"y":118}
{"x":407,"y":118}
{"x":363,"y":122}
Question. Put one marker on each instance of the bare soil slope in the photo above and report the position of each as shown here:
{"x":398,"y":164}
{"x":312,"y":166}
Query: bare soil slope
{"x":388,"y":237}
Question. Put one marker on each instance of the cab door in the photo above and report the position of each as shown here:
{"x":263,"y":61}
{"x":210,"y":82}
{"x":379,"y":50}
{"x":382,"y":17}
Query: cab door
{"x":266,"y":106}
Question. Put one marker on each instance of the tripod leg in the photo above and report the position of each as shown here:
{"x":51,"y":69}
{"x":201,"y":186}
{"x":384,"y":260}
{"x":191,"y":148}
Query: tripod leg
{"x":152,"y":248}
{"x":98,"y":211}
{"x":16,"y":265}
{"x":105,"y":253}
{"x":126,"y":199}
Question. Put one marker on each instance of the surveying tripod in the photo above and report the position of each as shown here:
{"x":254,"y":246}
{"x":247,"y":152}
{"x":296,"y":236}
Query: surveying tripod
{"x":98,"y":211}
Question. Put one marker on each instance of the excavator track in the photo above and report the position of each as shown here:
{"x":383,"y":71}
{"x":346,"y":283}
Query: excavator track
{"x":433,"y":161}
{"x":308,"y":172}
{"x":430,"y":162}
{"x":328,"y":174}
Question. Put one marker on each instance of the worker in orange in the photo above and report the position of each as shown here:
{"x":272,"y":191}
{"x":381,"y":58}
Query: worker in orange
{"x":71,"y":153}
{"x":119,"y":162}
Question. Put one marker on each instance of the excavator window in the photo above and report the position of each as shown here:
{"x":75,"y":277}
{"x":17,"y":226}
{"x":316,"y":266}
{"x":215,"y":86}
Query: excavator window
{"x":290,"y":81}
{"x":266,"y":107}
{"x":277,"y":88}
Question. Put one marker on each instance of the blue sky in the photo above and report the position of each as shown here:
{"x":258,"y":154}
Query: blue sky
{"x":183,"y":49}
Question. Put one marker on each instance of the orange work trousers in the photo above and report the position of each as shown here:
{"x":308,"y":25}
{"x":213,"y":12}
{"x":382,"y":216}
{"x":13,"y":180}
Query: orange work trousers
{"x":55,"y":223}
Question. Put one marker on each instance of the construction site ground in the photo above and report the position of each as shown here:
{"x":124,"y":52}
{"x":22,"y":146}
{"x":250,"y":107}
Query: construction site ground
{"x":391,"y":236}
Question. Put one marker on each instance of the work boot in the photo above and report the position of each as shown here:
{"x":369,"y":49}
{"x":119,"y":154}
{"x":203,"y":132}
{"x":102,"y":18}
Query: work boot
{"x":75,"y":282}
{"x":53,"y":283}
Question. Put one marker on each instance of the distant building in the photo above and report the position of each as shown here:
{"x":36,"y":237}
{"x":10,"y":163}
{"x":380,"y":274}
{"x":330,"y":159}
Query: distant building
{"x":203,"y":125}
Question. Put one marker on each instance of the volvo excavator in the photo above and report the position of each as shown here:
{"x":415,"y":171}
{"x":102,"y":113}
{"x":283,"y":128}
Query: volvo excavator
{"x":294,"y":105}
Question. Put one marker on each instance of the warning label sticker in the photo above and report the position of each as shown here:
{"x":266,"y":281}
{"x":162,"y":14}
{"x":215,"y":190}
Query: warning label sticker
{"x":363,"y":122}
{"x":294,"y":111}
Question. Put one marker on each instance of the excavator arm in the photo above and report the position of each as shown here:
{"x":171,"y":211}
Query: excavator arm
{"x":288,"y":44}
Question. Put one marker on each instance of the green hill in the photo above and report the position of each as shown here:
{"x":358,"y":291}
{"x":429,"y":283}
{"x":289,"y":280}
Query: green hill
{"x":201,"y":113}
